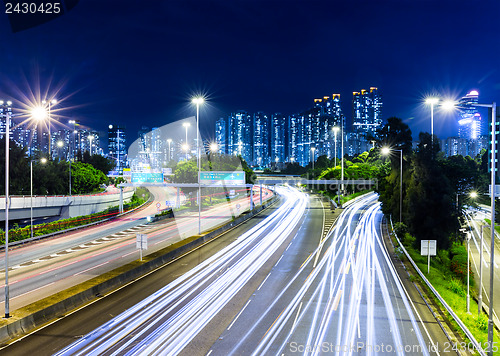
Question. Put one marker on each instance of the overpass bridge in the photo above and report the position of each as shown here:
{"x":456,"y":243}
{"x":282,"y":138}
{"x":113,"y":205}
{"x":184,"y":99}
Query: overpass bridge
{"x":62,"y":207}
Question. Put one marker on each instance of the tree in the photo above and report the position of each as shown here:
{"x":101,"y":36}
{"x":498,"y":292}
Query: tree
{"x":19,"y":169}
{"x":98,"y":162}
{"x":396,"y":135}
{"x":85,"y":178}
{"x":429,"y":198}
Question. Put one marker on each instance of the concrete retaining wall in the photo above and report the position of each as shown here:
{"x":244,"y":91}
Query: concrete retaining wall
{"x":62,"y":206}
{"x":26,"y":319}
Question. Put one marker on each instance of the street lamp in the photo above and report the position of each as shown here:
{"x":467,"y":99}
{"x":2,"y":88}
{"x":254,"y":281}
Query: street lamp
{"x":74,"y":134}
{"x":186,"y":126}
{"x":468,"y":273}
{"x":432,"y":102}
{"x":42,"y":160}
{"x":386,"y":151}
{"x":197,"y":102}
{"x":313,"y":149}
{"x":7,"y":109}
{"x":214,"y":147}
{"x":169,"y":141}
{"x":59,"y":144}
{"x":335,"y":129}
{"x":342,"y":154}
{"x":90,"y":137}
{"x":53,"y":102}
{"x":493,"y":106}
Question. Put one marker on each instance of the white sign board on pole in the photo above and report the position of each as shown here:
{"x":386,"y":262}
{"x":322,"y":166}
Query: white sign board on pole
{"x":428,"y":248}
{"x":426,"y":245}
{"x":141,"y":242}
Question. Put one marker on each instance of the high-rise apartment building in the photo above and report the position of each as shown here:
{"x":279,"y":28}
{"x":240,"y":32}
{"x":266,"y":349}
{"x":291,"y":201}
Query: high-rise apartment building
{"x":221,"y":135}
{"x":469,"y":120}
{"x":117,"y":146}
{"x":260,"y":140}
{"x":366,"y":111}
{"x":239,"y":135}
{"x":277,"y":138}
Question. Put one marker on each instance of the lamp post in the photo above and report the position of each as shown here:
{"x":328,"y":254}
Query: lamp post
{"x":432,"y":102}
{"x":59,"y":144}
{"x":53,"y":102}
{"x":493,"y":107}
{"x":7,"y":109}
{"x":214,"y":147}
{"x":198,"y":101}
{"x":90,"y":137}
{"x":313,"y":149}
{"x":186,"y":125}
{"x":342,"y":154}
{"x":468,"y":273}
{"x":480,"y":299}
{"x":74,"y":139}
{"x":386,"y":151}
{"x":169,"y":141}
{"x":335,"y":131}
{"x":42,"y":160}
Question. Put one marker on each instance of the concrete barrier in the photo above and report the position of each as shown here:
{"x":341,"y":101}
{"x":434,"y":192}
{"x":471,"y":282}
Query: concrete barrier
{"x":32,"y":316}
{"x":61,"y":206}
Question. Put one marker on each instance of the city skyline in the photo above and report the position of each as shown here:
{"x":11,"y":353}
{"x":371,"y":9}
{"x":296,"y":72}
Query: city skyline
{"x":255,"y":56}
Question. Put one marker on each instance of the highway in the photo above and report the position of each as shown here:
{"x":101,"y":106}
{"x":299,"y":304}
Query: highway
{"x":283,"y":286}
{"x":49,"y":266}
{"x":474,"y":220}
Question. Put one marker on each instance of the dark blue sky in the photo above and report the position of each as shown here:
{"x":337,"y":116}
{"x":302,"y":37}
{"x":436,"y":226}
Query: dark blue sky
{"x":139,"y":62}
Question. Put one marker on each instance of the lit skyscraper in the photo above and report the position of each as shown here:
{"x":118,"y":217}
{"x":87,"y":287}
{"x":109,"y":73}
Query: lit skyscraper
{"x":239,"y":135}
{"x":293,"y":138}
{"x":260,"y":139}
{"x":469,"y":120}
{"x":278,"y":124}
{"x":221,"y":135}
{"x":366,"y":111}
{"x":117,"y":146}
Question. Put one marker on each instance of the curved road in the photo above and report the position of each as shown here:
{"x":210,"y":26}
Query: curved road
{"x":283,"y":286}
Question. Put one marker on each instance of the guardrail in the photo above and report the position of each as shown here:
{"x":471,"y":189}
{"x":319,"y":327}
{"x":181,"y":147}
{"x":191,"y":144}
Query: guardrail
{"x":464,"y":328}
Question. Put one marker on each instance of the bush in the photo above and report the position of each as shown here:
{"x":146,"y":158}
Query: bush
{"x":458,"y":265}
{"x":443,"y":258}
{"x":482,"y":322}
{"x":400,"y":229}
{"x":409,"y":240}
{"x":456,"y":287}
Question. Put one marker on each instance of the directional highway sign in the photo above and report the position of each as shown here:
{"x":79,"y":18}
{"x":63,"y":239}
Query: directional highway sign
{"x":222,"y":178}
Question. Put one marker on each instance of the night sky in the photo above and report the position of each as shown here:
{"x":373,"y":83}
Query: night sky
{"x":139,"y":62}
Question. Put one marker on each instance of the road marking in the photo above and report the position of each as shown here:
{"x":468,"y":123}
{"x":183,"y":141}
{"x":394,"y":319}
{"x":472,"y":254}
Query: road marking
{"x":265,"y":279}
{"x":347,"y":268}
{"x":31,"y":291}
{"x":209,"y":352}
{"x":296,"y":317}
{"x":237,"y":316}
{"x":88,"y":269}
{"x":337,"y":299}
{"x":278,"y":261}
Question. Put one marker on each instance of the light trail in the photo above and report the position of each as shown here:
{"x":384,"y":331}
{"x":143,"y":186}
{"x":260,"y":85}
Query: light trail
{"x":168,"y":320}
{"x":330,"y":306}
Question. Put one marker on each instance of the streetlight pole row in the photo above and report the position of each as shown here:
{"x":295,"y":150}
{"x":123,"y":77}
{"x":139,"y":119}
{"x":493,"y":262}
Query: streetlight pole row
{"x":7,"y":110}
{"x":386,"y":151}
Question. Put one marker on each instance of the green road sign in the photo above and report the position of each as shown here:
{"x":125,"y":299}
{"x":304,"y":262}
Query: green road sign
{"x":142,"y":177}
{"x":222,"y":178}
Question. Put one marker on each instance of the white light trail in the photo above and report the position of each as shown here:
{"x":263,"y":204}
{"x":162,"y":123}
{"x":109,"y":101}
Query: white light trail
{"x":158,"y":326}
